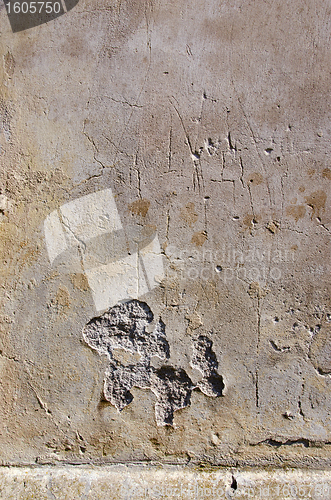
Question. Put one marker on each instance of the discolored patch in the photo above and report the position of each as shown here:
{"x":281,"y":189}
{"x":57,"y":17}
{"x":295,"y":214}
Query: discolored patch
{"x":327,"y":173}
{"x":255,"y":291}
{"x":148,"y":230}
{"x":194,"y":322}
{"x":140,"y":207}
{"x":255,"y":179}
{"x":188,"y":214}
{"x":62,"y":297}
{"x":199,"y":238}
{"x":317,"y":202}
{"x":79,"y":281}
{"x":250,"y":220}
{"x":296,"y":211}
{"x":9,"y":63}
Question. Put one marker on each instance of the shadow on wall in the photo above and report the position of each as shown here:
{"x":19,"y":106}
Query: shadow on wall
{"x":29,"y":14}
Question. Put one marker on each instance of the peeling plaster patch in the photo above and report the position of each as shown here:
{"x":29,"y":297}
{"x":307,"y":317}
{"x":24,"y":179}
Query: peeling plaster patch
{"x":125,"y":326}
{"x":204,"y":359}
{"x":173,"y":388}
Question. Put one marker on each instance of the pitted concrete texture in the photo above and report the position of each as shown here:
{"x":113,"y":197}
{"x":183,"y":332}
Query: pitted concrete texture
{"x":151,"y":483}
{"x":165,"y":174}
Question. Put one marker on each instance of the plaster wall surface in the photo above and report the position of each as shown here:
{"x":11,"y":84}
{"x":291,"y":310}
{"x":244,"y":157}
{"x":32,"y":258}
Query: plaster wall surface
{"x":165,"y":175}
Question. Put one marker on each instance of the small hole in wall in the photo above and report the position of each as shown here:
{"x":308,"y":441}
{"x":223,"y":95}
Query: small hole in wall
{"x":278,"y":158}
{"x":276,"y":319}
{"x":206,"y":197}
{"x":236,"y":217}
{"x":218,"y":269}
{"x":234,"y":484}
{"x":268,"y":151}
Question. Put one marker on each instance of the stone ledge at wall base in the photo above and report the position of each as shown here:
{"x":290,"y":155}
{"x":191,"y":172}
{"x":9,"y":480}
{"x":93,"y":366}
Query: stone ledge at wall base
{"x":137,"y":482}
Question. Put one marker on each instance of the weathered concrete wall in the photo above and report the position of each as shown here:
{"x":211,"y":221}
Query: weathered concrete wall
{"x":165,"y":234}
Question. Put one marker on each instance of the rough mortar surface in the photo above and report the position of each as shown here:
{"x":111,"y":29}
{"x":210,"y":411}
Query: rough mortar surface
{"x":165,"y":174}
{"x":172,"y":482}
